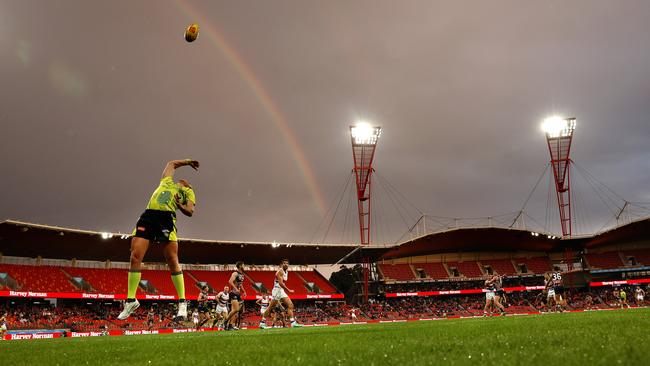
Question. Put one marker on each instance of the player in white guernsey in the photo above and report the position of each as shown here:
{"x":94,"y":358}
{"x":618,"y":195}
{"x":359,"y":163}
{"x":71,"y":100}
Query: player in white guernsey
{"x":3,"y":325}
{"x":280,"y":296}
{"x":353,"y":314}
{"x":263,"y":302}
{"x":223,"y":298}
{"x":550,"y":292}
{"x":195,"y":318}
{"x":639,"y":295}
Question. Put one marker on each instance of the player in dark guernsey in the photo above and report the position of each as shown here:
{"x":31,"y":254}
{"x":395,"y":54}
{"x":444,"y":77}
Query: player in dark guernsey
{"x":204,"y":309}
{"x":237,"y":291}
{"x":558,"y":289}
{"x":279,"y":317}
{"x":499,"y":294}
{"x":589,"y":302}
{"x":158,"y":225}
{"x":150,"y":319}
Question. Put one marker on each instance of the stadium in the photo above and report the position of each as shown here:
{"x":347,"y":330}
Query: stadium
{"x":398,"y":263}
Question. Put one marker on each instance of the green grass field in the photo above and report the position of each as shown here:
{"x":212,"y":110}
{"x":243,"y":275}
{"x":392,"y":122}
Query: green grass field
{"x":591,"y":338}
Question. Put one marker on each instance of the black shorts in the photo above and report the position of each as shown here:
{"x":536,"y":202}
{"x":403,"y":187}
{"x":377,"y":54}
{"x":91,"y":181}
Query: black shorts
{"x":559,"y":290}
{"x":203,"y":308}
{"x":235,"y":296}
{"x":499,"y":292}
{"x":157,"y":226}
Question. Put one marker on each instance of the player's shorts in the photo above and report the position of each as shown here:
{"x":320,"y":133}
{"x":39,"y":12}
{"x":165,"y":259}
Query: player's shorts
{"x":203,"y":308}
{"x":3,"y":327}
{"x":551,"y":293}
{"x":559,"y":290}
{"x":221,"y":309}
{"x":262,"y":310}
{"x":639,"y":297}
{"x":156,"y":226}
{"x":500,"y":292}
{"x":278,"y":293}
{"x":489,"y":295}
{"x":235,"y":296}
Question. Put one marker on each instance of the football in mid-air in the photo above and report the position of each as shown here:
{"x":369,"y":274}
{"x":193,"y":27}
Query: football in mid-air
{"x":192,"y":32}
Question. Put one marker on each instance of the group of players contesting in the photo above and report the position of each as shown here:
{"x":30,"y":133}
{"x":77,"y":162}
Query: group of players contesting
{"x":158,"y":225}
{"x":495,"y":297}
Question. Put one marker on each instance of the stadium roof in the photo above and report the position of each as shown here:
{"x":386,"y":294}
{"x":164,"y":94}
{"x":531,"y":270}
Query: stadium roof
{"x":23,"y":239}
{"x":507,"y":240}
{"x":31,"y":240}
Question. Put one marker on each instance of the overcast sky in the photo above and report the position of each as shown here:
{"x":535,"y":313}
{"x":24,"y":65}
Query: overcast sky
{"x":95,"y":97}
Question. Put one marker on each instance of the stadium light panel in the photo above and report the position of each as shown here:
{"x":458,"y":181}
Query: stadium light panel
{"x":364,"y":134}
{"x":558,"y":127}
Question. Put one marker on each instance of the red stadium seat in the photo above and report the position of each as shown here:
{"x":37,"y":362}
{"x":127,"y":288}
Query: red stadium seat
{"x":433,"y":270}
{"x":500,"y":266}
{"x":39,"y":278}
{"x":536,"y":265}
{"x":398,"y":272}
{"x":469,"y":269}
{"x":642,"y":256}
{"x":105,"y":281}
{"x":604,"y":260}
{"x":318,"y":280}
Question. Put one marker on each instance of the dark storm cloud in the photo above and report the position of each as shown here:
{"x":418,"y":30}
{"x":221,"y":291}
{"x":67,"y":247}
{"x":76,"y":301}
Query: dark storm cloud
{"x":96,"y":97}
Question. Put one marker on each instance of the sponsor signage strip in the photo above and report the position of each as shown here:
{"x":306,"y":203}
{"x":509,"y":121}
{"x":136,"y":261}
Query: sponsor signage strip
{"x":95,"y":296}
{"x":622,"y":282}
{"x":460,"y":292}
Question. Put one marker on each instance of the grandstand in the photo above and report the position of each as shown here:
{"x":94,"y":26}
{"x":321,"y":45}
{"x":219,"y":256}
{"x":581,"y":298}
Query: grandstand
{"x":435,"y":275}
{"x":53,"y":279}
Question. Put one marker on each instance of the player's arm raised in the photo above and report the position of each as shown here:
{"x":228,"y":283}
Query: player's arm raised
{"x":187,"y":209}
{"x":280,"y":279}
{"x":171,"y":166}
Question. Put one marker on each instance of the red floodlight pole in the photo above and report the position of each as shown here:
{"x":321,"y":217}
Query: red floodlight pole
{"x":364,"y":141}
{"x":559,"y":135}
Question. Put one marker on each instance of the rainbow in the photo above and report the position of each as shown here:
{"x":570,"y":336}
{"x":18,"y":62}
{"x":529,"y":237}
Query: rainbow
{"x":246,"y":73}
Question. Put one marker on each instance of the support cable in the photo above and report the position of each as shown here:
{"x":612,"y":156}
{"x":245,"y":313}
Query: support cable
{"x":523,"y":207}
{"x":337,"y":208}
{"x":329,"y":209}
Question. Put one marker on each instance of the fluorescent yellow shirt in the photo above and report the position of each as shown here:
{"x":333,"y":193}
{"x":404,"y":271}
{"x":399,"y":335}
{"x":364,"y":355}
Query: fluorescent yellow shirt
{"x":162,"y":198}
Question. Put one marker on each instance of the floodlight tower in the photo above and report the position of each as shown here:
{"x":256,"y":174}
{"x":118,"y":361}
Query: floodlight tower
{"x":559,"y":134}
{"x":364,"y":141}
